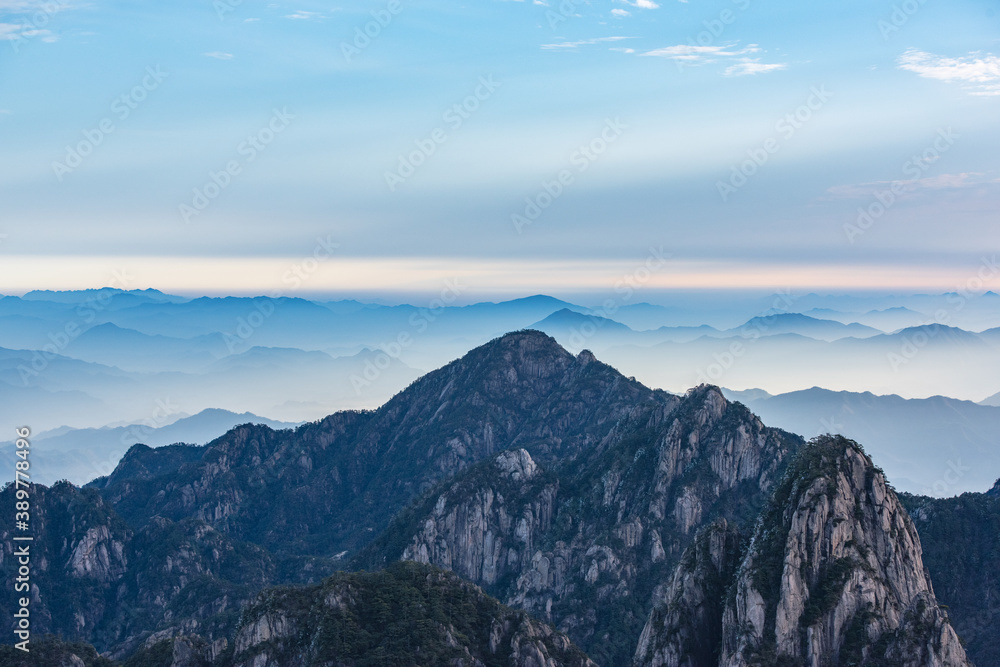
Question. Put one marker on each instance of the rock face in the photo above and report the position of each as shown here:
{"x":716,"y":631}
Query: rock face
{"x":408,"y":614}
{"x":641,"y":525}
{"x":488,"y":534}
{"x":833,"y":576}
{"x":79,"y":553}
{"x":685,"y":627}
{"x":95,"y":578}
{"x":333,"y":485}
{"x":583,"y":543}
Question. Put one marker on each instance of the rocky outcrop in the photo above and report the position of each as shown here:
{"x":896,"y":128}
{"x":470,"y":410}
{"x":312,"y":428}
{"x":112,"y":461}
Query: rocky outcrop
{"x":611,"y":512}
{"x":165,"y":650}
{"x":79,"y":553}
{"x":98,"y":555}
{"x":489,"y":534}
{"x":582,"y":544}
{"x":333,"y":485}
{"x":834,"y":575}
{"x":685,"y":627}
{"x":407,"y":614}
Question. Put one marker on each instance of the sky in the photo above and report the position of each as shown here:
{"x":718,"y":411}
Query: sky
{"x":522,"y":147}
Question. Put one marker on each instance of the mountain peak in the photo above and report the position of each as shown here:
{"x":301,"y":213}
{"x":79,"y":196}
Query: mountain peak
{"x":832,"y":576}
{"x":836,"y":558}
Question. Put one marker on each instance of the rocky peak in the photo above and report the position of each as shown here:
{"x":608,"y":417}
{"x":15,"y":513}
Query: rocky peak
{"x":608,"y":525}
{"x":355,"y":471}
{"x":834,"y":573}
{"x":516,"y":464}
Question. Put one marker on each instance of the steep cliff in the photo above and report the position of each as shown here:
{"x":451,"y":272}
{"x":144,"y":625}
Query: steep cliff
{"x":834,"y":575}
{"x":672,"y":530}
{"x":685,"y":627}
{"x":95,"y":578}
{"x":583,"y":543}
{"x":333,"y":485}
{"x":79,"y":553}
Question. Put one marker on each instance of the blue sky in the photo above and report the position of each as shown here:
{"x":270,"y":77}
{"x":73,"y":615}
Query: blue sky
{"x":744,"y":137}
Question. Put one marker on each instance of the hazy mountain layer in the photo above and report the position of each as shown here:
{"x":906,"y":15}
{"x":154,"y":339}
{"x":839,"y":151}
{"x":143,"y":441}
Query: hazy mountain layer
{"x":938,"y":446}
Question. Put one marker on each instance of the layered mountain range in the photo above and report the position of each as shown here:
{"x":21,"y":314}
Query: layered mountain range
{"x":555,"y":510}
{"x":96,"y":358}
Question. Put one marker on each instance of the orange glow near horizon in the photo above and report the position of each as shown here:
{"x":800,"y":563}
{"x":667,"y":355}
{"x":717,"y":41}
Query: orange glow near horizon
{"x":289,"y":276}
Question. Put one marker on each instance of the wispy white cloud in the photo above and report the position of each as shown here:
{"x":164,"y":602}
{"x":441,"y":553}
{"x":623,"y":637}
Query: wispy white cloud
{"x":620,"y":12}
{"x":17,"y":31}
{"x":740,"y":61}
{"x":302,"y":15}
{"x":641,"y":4}
{"x":753,"y":66}
{"x":219,"y":55}
{"x":978,"y":72}
{"x":26,"y":6}
{"x":692,"y":54}
{"x":582,"y":42}
{"x":32,"y":14}
{"x":957,"y":181}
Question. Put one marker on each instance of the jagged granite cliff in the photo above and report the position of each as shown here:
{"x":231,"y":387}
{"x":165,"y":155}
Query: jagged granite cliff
{"x":96,"y":578}
{"x":685,"y":627}
{"x":616,"y":513}
{"x":584,"y":543}
{"x":832,"y":576}
{"x":332,"y":485}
